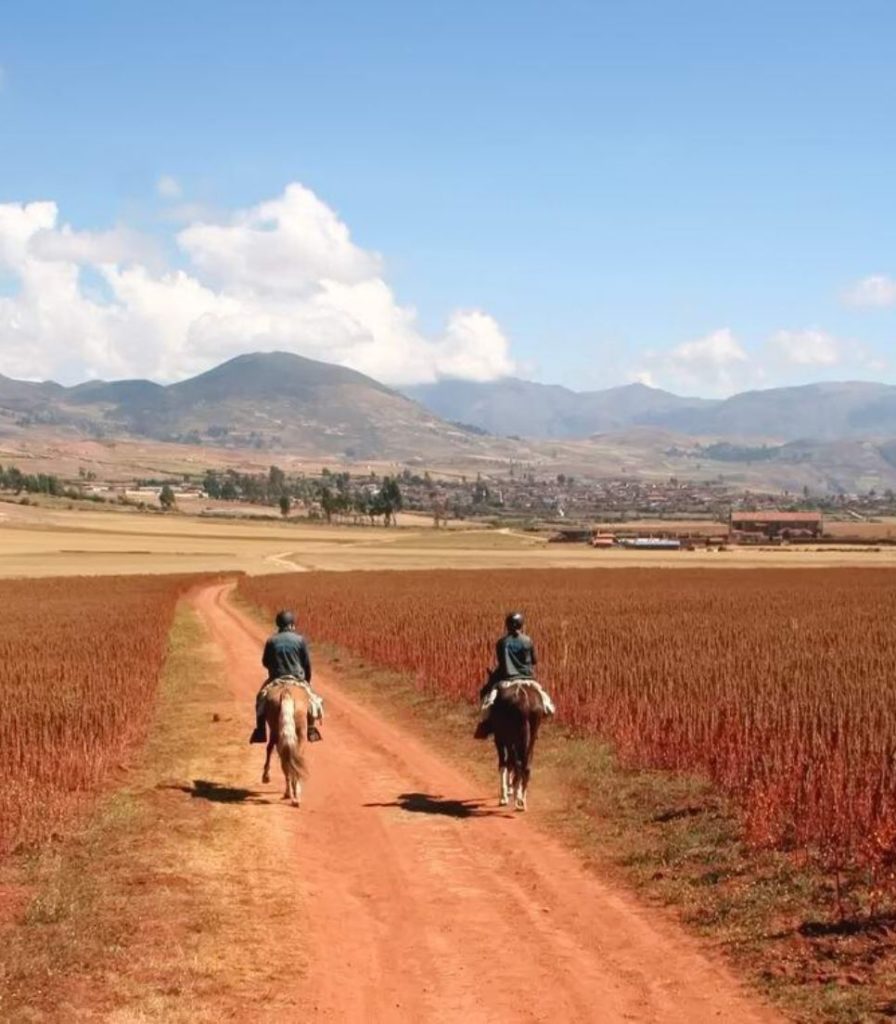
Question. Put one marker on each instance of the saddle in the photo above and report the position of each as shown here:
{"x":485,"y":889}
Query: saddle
{"x":315,"y":702}
{"x":509,"y":687}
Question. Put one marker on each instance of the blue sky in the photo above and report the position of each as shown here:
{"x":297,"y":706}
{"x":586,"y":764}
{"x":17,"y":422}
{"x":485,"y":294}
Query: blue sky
{"x":695,"y":194}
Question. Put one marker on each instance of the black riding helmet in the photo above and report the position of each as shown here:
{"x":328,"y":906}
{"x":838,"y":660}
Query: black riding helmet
{"x":285,"y":619}
{"x":514,"y":622}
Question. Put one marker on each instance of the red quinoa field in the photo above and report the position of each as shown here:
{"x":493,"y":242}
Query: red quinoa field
{"x":79,"y":663}
{"x":777,"y":685}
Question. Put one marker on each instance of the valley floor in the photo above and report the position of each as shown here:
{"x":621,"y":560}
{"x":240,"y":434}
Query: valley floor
{"x":41,"y":541}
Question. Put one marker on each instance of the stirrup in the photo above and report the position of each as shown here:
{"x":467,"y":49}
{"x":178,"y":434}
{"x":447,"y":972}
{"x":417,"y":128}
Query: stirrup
{"x":259,"y":735}
{"x":314,"y":735}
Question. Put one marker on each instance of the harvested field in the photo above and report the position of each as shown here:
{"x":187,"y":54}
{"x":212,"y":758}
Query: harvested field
{"x":778,"y":686}
{"x":79,"y":662}
{"x":38,"y":541}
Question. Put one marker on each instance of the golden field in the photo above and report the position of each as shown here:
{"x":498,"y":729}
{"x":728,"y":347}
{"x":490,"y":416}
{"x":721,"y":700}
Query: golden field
{"x":55,"y":541}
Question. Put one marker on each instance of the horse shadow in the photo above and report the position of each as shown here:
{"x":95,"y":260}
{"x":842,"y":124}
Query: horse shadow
{"x":214,"y":792}
{"x":427,"y":803}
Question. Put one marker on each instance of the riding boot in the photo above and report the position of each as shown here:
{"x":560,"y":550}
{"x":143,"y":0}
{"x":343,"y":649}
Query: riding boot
{"x":313,"y":732}
{"x":260,"y":734}
{"x":483,"y":729}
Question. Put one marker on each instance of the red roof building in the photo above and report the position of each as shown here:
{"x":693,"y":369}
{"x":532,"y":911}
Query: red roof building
{"x":771,"y":525}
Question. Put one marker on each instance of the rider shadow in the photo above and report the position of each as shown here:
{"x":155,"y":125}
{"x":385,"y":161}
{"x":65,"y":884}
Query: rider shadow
{"x":425,"y":803}
{"x":214,"y":792}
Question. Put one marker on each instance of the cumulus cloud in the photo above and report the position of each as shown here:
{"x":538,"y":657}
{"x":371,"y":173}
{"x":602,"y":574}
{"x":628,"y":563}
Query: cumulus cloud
{"x":805,"y":348}
{"x":711,"y":364}
{"x":117,"y":245}
{"x":283,"y":274}
{"x":719,"y":365}
{"x":876,"y":290}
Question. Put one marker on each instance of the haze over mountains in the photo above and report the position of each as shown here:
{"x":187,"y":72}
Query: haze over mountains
{"x":818,"y":412}
{"x":833,"y":436}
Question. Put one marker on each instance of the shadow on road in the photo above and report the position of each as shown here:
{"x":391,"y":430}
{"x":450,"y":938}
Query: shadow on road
{"x":426,"y":803}
{"x":203,"y":789}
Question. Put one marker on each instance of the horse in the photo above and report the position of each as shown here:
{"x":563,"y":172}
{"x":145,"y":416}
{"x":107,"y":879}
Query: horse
{"x":285,"y":711}
{"x":515,"y":718}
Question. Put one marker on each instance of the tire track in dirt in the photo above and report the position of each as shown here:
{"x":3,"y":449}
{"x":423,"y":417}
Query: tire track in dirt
{"x":428,"y":903}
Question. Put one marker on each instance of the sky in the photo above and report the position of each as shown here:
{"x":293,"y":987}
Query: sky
{"x":697,"y":195}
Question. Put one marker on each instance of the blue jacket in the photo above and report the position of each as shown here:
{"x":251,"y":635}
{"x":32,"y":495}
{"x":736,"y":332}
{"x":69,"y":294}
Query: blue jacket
{"x":286,"y":654}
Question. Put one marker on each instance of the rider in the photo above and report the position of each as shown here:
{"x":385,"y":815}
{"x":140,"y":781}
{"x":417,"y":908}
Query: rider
{"x":286,"y":657}
{"x":516,"y":658}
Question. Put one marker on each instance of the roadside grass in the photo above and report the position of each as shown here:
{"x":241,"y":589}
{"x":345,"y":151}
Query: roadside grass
{"x":675,"y":841}
{"x":152,"y":913}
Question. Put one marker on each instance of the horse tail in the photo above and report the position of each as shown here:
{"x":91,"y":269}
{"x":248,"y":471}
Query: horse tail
{"x":288,"y":741}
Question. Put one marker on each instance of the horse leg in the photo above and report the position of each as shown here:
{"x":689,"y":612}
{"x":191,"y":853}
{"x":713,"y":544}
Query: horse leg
{"x":505,"y":787}
{"x":534,"y":724}
{"x":521,"y":765}
{"x":503,"y":774}
{"x":266,"y":774}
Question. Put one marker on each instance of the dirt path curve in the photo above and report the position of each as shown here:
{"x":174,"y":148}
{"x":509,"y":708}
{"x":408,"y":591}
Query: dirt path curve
{"x":428,"y":904}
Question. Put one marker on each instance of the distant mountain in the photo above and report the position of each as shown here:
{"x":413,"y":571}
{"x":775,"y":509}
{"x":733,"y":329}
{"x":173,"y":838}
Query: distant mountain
{"x":524,"y":408}
{"x":264,"y":400}
{"x":23,"y":394}
{"x":820,"y":412}
{"x":837,"y":436}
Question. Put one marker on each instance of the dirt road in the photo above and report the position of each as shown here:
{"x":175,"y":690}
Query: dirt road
{"x":428,"y":903}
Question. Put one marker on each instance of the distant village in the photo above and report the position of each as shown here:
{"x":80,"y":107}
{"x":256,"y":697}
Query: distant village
{"x":572,"y":507}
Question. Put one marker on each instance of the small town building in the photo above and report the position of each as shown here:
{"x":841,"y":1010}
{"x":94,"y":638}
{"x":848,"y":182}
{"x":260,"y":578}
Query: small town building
{"x":769,"y":525}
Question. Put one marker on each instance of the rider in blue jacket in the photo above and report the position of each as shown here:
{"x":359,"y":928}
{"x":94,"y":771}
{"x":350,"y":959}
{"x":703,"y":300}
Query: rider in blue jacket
{"x":285,"y":657}
{"x":516,"y":659}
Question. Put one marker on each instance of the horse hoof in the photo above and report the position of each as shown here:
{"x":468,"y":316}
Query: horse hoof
{"x":296,"y":803}
{"x":265,"y":778}
{"x":520,"y":806}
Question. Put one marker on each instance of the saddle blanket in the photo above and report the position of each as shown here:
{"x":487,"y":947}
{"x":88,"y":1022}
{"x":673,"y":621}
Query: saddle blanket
{"x":315,"y":701}
{"x":505,"y":684}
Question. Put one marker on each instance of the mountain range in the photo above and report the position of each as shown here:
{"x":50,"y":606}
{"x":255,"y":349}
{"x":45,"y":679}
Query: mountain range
{"x":818,"y":412}
{"x":832,"y":436}
{"x":275,"y":400}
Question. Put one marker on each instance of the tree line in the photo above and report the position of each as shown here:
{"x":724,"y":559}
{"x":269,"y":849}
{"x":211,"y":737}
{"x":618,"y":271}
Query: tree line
{"x":369,"y":497}
{"x":13,"y":479}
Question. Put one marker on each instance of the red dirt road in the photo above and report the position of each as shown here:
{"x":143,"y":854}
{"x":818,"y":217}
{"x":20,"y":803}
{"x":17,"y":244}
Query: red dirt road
{"x":428,"y":904}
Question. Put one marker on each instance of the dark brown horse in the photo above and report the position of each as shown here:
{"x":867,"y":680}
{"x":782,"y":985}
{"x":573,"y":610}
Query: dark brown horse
{"x":514,"y":719}
{"x":285,"y":710}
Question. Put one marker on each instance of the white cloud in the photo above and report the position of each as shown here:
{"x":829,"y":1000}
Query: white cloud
{"x":118,"y":245}
{"x":711,"y":364}
{"x":287,"y":245}
{"x":283,"y":274}
{"x":876,"y":290}
{"x":168,"y":187}
{"x":805,"y":348}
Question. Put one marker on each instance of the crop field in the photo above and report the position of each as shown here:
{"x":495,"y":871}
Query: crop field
{"x":79,"y":661}
{"x":777,"y":685}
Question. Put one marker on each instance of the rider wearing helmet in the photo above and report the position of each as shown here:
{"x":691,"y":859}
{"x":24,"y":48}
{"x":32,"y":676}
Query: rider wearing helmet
{"x":286,"y":657}
{"x":516,"y":659}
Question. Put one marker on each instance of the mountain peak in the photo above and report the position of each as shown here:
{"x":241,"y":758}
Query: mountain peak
{"x":267,"y":374}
